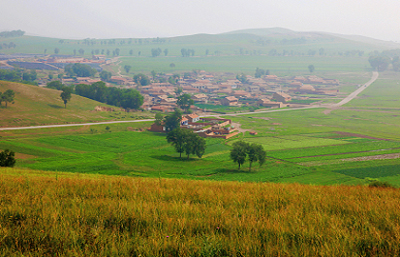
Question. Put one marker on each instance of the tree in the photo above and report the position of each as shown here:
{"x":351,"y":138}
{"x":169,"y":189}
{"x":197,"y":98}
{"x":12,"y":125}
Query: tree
{"x":260,"y":72}
{"x":379,"y":63}
{"x":56,"y":50}
{"x":396,"y":63}
{"x":194,"y":144}
{"x":239,"y":152}
{"x":105,"y":75}
{"x":131,"y":99}
{"x":141,"y":79}
{"x":186,"y":141}
{"x":172,"y":65}
{"x":185,"y":101}
{"x":177,"y":137}
{"x":7,"y":158}
{"x":255,"y":152}
{"x":165,"y":51}
{"x":153,"y":74}
{"x":311,"y":68}
{"x":7,"y":97}
{"x":80,"y":70}
{"x":127,"y":68}
{"x":156,"y":52}
{"x":56,"y":84}
{"x":173,"y":120}
{"x":66,"y":95}
{"x":159,"y":118}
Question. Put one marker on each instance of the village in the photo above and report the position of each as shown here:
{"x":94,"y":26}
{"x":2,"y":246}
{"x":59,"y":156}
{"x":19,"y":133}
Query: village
{"x":207,"y":89}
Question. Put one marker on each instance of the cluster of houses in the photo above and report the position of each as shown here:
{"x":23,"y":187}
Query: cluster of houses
{"x":268,"y":91}
{"x":204,"y":127}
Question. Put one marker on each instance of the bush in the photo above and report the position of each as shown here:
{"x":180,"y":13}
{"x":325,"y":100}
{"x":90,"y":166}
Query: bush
{"x":7,"y":158}
{"x":381,"y":184}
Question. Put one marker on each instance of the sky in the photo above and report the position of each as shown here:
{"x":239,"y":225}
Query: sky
{"x":79,"y":19}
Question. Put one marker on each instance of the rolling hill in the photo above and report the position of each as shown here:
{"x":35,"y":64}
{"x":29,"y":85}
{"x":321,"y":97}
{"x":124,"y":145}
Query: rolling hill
{"x":38,"y":106}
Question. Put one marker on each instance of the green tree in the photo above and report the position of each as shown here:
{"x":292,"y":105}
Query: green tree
{"x":239,"y":152}
{"x":186,"y":141}
{"x":194,"y":144}
{"x":159,"y":118}
{"x":177,"y":137}
{"x":7,"y":97}
{"x":66,"y":95}
{"x":165,"y":51}
{"x":255,"y":152}
{"x":131,"y":99}
{"x":80,"y":70}
{"x":7,"y":158}
{"x":141,"y":79}
{"x":379,"y":63}
{"x":127,"y":68}
{"x":56,"y":84}
{"x":311,"y":68}
{"x":184,"y":102}
{"x":153,"y":74}
{"x":56,"y":50}
{"x":105,"y":75}
{"x":173,"y":121}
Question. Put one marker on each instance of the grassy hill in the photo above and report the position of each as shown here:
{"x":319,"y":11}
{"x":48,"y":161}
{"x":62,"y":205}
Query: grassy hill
{"x":237,"y":51}
{"x":61,"y":214}
{"x":38,"y":106}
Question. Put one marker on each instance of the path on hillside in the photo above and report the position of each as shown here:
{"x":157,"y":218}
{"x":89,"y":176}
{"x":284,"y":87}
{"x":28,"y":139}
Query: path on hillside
{"x":332,"y":106}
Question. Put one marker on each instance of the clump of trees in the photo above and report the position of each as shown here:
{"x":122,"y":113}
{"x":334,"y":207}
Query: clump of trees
{"x":13,"y":33}
{"x":242,"y":151}
{"x":186,"y":141}
{"x":311,"y":68}
{"x":7,"y":97}
{"x":260,"y":72}
{"x":7,"y":158}
{"x":141,"y":79}
{"x":105,"y":75}
{"x":79,"y":70}
{"x":187,"y":52}
{"x":125,"y":98}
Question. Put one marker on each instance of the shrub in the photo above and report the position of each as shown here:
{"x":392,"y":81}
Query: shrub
{"x":381,"y":184}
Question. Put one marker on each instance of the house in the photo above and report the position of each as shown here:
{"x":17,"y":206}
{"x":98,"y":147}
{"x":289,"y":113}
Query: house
{"x":269,"y":103}
{"x":229,"y":101}
{"x":192,"y":117}
{"x":200,"y":98}
{"x":281,"y":97}
{"x":184,"y":121}
{"x":241,"y":94}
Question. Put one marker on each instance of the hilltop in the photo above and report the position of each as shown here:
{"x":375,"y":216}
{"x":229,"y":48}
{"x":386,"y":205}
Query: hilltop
{"x":38,"y":106}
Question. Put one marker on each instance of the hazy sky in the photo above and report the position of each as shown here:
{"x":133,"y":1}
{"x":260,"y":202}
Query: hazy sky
{"x":78,"y":19}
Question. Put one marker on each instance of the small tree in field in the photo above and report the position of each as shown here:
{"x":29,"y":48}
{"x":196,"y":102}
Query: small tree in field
{"x":239,"y":152}
{"x":311,"y":68}
{"x":7,"y":158}
{"x":66,"y":95}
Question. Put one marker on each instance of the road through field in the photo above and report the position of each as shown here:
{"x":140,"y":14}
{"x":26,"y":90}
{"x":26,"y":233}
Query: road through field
{"x":332,"y":106}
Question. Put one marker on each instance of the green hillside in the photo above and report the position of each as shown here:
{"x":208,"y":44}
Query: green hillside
{"x":38,"y":106}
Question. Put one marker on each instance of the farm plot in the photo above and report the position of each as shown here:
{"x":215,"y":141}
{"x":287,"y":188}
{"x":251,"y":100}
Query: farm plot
{"x":293,"y":141}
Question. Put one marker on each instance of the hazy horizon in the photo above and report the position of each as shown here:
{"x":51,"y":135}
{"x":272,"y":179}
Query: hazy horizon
{"x":126,"y":19}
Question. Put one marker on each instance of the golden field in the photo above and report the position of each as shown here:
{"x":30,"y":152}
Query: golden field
{"x":64,"y":214}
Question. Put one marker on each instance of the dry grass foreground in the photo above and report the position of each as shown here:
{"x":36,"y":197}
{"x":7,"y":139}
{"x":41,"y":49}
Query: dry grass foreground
{"x":50,"y":214}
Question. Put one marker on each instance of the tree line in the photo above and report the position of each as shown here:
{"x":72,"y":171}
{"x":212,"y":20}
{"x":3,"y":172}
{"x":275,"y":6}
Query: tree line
{"x":382,"y":61}
{"x":19,"y":75}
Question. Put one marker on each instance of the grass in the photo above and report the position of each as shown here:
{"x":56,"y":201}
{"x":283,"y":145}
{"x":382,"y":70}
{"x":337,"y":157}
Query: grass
{"x":42,"y":106}
{"x":64,"y":214}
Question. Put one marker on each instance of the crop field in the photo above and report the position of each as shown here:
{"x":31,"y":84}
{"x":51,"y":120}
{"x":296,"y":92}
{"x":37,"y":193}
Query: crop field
{"x":303,"y":157}
{"x":247,"y":64}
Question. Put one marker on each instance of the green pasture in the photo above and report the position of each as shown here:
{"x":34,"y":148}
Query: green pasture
{"x":280,"y":65}
{"x":147,"y":154}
